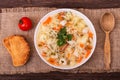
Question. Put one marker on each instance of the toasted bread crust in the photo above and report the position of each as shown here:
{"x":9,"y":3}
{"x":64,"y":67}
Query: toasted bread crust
{"x":18,"y":49}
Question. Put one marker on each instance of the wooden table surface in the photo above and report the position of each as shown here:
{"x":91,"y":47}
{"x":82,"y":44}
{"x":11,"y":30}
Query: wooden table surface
{"x":61,"y":3}
{"x":91,"y":4}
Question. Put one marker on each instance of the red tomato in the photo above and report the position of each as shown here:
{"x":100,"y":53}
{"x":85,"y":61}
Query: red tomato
{"x":25,"y":24}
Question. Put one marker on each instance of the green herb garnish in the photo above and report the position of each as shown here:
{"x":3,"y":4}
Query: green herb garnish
{"x":61,"y":42}
{"x":69,"y":37}
{"x":62,"y":37}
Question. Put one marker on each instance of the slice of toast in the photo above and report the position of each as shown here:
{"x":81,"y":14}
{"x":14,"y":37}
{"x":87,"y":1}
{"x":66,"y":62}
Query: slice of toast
{"x":18,"y":49}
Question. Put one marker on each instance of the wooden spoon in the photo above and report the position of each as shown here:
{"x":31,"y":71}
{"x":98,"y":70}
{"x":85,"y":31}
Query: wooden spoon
{"x":107,"y":22}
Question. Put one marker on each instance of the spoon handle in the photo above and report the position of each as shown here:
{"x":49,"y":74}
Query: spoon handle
{"x":107,"y":55}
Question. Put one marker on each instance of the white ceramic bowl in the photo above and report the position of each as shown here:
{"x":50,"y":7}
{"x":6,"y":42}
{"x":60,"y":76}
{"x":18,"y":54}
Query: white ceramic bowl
{"x":88,"y":22}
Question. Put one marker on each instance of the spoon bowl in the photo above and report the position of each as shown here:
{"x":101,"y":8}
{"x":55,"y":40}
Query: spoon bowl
{"x":107,"y":22}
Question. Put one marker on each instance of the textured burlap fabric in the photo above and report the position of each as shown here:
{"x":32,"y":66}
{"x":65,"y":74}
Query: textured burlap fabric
{"x":9,"y":19}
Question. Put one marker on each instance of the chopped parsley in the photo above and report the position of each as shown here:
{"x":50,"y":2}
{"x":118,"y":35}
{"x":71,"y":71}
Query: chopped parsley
{"x":63,"y":37}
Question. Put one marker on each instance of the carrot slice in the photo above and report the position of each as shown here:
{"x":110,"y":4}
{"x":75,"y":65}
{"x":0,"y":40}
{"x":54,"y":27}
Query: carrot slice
{"x":68,"y":55}
{"x":90,"y":34}
{"x":59,"y":26}
{"x":79,"y":59}
{"x":44,"y":54}
{"x":47,"y":21}
{"x":81,"y":45}
{"x":88,"y":47}
{"x":60,"y":16}
{"x":51,"y":60}
{"x":87,"y":53}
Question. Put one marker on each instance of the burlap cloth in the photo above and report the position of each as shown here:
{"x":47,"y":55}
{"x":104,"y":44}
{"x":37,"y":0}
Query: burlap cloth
{"x":9,"y":25}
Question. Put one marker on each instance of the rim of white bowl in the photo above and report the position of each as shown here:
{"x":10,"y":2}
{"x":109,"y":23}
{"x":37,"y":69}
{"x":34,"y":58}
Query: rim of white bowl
{"x":87,"y":21}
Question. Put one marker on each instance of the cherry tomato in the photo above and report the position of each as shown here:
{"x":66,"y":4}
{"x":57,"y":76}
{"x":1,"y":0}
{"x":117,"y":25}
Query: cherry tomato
{"x":25,"y":24}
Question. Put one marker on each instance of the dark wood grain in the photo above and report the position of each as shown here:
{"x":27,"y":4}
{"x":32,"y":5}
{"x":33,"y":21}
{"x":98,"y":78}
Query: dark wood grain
{"x":62,"y":76}
{"x":92,"y":4}
{"x":61,"y":3}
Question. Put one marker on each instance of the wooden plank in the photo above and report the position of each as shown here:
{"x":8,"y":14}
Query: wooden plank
{"x":62,"y":76}
{"x":61,"y":3}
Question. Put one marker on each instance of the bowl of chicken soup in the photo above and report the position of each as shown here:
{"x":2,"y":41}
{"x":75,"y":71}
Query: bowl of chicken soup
{"x":65,"y":38}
